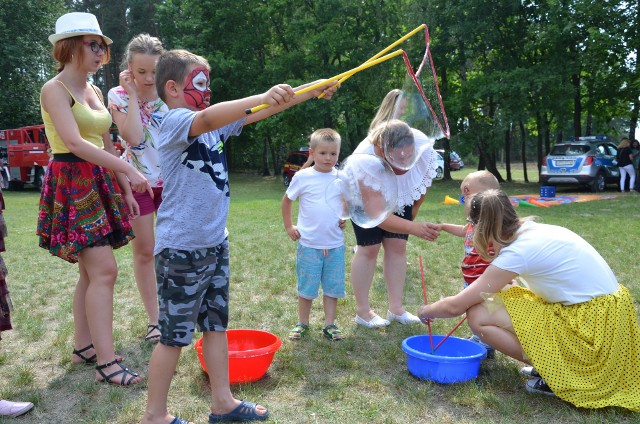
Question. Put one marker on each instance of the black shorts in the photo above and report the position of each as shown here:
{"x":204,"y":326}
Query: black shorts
{"x":372,"y":236}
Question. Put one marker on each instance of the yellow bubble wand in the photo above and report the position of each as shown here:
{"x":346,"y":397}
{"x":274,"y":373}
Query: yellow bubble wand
{"x":345,"y":75}
{"x":383,"y":51}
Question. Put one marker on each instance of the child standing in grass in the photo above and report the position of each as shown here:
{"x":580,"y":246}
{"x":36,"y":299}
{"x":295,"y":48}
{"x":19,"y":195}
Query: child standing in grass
{"x":138,"y":111}
{"x":192,"y":250}
{"x":472,"y":264}
{"x":320,"y":252}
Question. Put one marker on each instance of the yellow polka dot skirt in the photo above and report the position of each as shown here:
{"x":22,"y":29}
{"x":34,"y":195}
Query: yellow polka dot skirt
{"x":589,"y":353}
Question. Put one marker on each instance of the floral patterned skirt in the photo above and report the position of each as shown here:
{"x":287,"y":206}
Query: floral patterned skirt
{"x":81,"y":205}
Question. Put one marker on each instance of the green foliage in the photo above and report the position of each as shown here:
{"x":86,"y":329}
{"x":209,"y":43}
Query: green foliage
{"x":555,"y":68}
{"x":26,"y":61}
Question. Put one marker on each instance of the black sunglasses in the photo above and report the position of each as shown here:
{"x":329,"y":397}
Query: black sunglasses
{"x":95,"y":47}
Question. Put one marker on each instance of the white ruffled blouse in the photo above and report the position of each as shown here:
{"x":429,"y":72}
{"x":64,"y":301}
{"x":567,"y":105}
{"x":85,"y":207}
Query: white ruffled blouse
{"x":413,"y":184}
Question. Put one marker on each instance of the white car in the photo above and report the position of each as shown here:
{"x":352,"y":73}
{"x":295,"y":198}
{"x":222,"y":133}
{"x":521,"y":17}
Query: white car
{"x":440,"y":169}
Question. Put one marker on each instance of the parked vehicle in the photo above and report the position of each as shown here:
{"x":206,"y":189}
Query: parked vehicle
{"x":455,"y":162}
{"x":440,"y":169}
{"x":24,"y":153}
{"x":589,"y":161}
{"x":293,"y":163}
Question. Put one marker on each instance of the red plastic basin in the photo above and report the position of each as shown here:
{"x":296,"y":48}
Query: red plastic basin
{"x":250,"y":354}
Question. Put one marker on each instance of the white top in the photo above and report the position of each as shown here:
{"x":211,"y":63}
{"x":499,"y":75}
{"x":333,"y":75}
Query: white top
{"x":317,"y":222}
{"x":557,"y":264}
{"x":413,"y":184}
{"x":144,"y":156}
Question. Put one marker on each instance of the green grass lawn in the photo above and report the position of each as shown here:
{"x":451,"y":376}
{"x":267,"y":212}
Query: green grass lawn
{"x":362,"y":379}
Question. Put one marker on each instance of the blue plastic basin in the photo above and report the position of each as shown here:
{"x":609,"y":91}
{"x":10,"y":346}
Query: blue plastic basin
{"x":457,"y":360}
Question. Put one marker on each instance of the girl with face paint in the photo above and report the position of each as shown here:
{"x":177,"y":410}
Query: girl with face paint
{"x":138,"y":112}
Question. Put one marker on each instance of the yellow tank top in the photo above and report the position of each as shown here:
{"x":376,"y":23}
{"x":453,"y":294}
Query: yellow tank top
{"x":91,"y":123}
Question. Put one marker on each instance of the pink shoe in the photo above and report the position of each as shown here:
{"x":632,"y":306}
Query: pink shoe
{"x":14,"y":409}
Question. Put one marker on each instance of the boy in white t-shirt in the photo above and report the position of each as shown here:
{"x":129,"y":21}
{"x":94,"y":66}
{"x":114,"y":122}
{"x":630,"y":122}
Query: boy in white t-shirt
{"x":319,"y":233}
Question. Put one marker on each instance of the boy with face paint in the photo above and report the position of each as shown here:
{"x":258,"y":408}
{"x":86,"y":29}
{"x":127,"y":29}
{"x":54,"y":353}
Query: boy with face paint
{"x":192,"y":250}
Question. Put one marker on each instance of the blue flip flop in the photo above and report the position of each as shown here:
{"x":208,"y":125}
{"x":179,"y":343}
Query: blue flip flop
{"x":246,"y":411}
{"x":178,"y":420}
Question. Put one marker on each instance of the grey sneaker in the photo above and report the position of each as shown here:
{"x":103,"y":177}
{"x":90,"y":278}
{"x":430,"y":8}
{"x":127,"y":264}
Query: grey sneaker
{"x":491,"y":352}
{"x":539,"y":386}
{"x":529,"y":372}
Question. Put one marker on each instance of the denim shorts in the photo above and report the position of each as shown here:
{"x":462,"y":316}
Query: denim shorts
{"x":193,"y":288}
{"x":320,"y":266}
{"x":373,"y":236}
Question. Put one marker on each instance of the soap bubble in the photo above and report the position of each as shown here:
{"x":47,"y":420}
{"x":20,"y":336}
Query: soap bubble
{"x":400,"y":145}
{"x":365,"y":190}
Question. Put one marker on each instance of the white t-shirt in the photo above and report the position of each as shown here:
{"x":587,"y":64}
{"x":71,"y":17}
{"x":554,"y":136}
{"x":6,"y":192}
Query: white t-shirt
{"x":317,"y":222}
{"x":413,"y":184}
{"x":557,"y":264}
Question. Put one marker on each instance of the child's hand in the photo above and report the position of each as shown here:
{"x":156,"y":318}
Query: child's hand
{"x":132,"y":205}
{"x":426,"y":230}
{"x":341,"y":224}
{"x":126,"y":82}
{"x":278,"y":95}
{"x":293,"y":232}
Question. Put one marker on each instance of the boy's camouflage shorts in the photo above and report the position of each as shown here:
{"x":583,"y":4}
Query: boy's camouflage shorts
{"x":193,"y":287}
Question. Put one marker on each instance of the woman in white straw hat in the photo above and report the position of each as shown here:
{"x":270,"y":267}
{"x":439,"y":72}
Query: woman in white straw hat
{"x":86,"y":201}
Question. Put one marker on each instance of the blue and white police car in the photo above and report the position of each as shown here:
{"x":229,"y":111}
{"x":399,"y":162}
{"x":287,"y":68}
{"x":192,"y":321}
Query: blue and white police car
{"x":589,"y":161}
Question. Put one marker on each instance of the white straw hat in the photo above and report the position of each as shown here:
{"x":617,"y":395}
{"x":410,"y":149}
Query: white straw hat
{"x":77,"y":23}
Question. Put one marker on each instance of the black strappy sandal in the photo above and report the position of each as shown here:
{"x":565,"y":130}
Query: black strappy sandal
{"x":150,"y":329}
{"x":87,"y":360}
{"x":126,"y":374}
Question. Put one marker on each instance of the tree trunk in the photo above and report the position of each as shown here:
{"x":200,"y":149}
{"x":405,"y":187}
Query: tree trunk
{"x":507,"y":151}
{"x":524,"y":152}
{"x":577,"y":106}
{"x":488,"y":161}
{"x":265,"y":156}
{"x":447,"y":159}
{"x":539,"y":141}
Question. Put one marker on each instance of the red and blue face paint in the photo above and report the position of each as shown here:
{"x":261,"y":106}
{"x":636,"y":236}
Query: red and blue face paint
{"x":196,"y":89}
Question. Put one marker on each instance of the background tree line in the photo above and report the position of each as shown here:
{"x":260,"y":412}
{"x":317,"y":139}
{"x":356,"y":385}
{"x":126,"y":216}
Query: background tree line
{"x":515,"y":76}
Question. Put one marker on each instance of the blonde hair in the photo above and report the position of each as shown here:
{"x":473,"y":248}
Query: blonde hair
{"x":141,"y":44}
{"x":65,"y":49}
{"x":385,"y":111}
{"x":173,"y":65}
{"x":485,"y":179}
{"x":326,"y":135}
{"x":394,"y":134}
{"x":625,"y":142}
{"x":495,"y":222}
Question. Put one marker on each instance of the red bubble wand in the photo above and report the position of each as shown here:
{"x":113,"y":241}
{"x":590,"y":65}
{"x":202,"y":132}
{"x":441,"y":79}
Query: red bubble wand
{"x":424,"y":291}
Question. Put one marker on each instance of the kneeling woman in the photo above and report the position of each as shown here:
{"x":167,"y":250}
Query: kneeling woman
{"x":574,"y":323}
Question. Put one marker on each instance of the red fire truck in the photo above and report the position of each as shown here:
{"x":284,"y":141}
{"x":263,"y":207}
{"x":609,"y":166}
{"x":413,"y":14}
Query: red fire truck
{"x":24,"y":153}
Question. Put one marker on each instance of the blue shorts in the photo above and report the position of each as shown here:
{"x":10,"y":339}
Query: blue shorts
{"x":316,"y":266}
{"x":193,"y":288}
